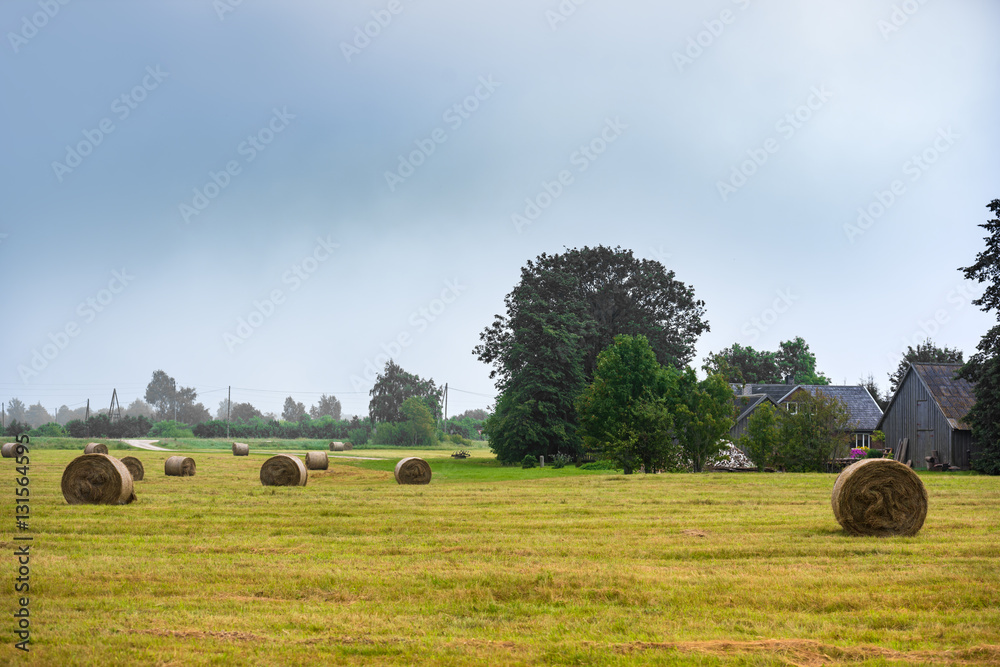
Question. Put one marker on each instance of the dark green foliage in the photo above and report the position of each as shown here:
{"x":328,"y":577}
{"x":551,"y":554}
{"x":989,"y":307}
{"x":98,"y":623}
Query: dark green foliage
{"x":560,"y":460}
{"x":565,"y":309}
{"x":600,"y":465}
{"x":170,"y":401}
{"x":762,"y":437}
{"x":926,"y":352}
{"x":983,"y":369}
{"x":324,"y":428}
{"x":393,"y":386}
{"x":326,"y":406}
{"x":168,"y":428}
{"x":529,"y":461}
{"x":702,"y":414}
{"x":100,"y":426}
{"x":816,"y":433}
{"x":358,"y":436}
{"x":16,"y":428}
{"x":51,"y":429}
{"x":745,"y":365}
{"x":624,"y":412}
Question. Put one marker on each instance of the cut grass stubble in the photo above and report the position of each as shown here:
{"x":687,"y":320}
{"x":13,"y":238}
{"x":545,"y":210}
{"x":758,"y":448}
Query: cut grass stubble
{"x":490,"y":564}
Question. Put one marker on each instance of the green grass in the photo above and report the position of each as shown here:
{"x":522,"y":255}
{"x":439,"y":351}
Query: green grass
{"x":494,"y":565}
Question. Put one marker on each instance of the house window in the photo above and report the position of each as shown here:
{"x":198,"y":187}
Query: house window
{"x":862,"y":440}
{"x":793,"y":408}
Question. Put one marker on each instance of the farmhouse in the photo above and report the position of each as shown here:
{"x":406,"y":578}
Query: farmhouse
{"x":864,"y":411}
{"x":928,"y":411}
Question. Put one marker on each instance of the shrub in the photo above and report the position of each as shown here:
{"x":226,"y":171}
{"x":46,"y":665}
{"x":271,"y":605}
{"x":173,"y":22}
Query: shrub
{"x":560,"y":460}
{"x":358,"y":436}
{"x":529,"y":461}
{"x":170,"y":429}
{"x":51,"y":429}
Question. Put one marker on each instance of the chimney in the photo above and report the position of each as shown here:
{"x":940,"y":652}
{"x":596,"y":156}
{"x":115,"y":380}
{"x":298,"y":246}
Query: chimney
{"x":747,"y":389}
{"x":789,"y":379}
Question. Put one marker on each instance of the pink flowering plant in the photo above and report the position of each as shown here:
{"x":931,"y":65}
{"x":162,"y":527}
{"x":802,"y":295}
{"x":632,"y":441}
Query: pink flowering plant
{"x":859,"y":453}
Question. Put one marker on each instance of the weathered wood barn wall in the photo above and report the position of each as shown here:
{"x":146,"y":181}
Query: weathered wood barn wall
{"x":928,"y":409}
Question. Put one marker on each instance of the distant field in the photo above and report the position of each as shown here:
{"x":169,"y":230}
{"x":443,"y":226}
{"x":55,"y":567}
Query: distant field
{"x":493,"y":565}
{"x":478,"y":448}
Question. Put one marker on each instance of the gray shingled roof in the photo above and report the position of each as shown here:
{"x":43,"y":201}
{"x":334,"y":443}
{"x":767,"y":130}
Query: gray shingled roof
{"x":746,"y":404}
{"x":955,"y":397}
{"x":864,"y":410}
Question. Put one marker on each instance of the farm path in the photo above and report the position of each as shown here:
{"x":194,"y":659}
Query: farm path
{"x":359,"y":458}
{"x":146,"y":444}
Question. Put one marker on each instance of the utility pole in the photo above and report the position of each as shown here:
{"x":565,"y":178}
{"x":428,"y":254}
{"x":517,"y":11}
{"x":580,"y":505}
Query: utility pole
{"x":229,"y":407}
{"x":446,"y":406}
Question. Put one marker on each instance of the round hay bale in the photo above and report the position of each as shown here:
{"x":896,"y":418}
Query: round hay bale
{"x":97,"y":479}
{"x":135,"y":468}
{"x":412,"y":471}
{"x":879,"y":497}
{"x":336,"y":446}
{"x":283,"y":470}
{"x":9,"y":450}
{"x":95,"y":448}
{"x":348,"y":446}
{"x":241,"y":449}
{"x":317,"y":461}
{"x":179,"y":466}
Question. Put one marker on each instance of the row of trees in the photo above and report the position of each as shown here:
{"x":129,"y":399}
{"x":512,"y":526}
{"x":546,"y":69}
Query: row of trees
{"x":745,"y":365}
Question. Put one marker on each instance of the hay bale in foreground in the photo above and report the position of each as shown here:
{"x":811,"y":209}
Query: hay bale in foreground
{"x":336,"y":446}
{"x":9,"y":450}
{"x":135,"y":468}
{"x":179,"y":466}
{"x":241,"y":449}
{"x":95,"y":448}
{"x":412,"y":471}
{"x":317,"y":461}
{"x":879,"y":497}
{"x":97,"y":479}
{"x":283,"y":470}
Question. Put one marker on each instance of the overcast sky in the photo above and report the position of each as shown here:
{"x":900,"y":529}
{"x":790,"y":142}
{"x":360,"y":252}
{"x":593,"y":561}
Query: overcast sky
{"x":274,"y":196}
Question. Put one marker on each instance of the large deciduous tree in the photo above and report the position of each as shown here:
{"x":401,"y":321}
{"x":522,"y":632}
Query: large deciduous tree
{"x":703,"y":412}
{"x":563,"y":312}
{"x":167,"y":399}
{"x":393,"y":386}
{"x":624,"y":413}
{"x":983,"y":369}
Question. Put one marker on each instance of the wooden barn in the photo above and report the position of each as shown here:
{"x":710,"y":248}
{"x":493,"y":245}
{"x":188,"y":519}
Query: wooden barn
{"x":928,"y":410}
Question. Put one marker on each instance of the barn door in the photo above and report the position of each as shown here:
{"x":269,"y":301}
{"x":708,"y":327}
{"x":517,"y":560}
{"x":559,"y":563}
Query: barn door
{"x":922,"y":421}
{"x":925,"y":445}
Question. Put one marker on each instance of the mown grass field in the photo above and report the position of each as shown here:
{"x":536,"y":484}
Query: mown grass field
{"x":491,"y":565}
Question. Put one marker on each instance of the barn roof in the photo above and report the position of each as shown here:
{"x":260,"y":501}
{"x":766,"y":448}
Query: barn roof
{"x":865,"y":412}
{"x":953,"y":396}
